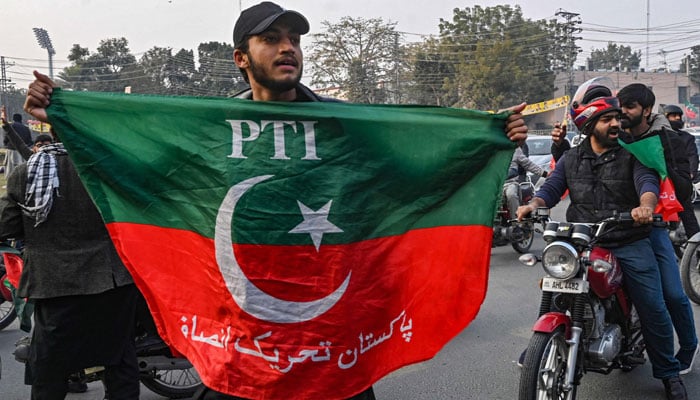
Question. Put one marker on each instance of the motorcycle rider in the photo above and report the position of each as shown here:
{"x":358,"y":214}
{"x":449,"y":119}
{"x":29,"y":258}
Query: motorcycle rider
{"x":674,"y":114}
{"x":511,"y":188}
{"x":637,"y":101}
{"x":603,"y":178}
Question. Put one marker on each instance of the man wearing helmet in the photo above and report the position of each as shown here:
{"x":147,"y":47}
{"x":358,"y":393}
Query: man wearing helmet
{"x":674,"y":114}
{"x":603,"y":178}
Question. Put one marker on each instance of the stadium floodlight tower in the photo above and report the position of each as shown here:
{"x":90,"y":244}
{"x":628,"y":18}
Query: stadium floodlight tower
{"x":42,"y":37}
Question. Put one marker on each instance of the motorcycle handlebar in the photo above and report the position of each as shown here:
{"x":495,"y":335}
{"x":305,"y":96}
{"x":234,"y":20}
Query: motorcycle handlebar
{"x":657,"y":219}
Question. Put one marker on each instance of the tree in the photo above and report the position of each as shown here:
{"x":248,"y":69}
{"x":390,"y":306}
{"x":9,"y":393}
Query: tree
{"x":163,"y":73}
{"x":217,"y":74}
{"x":429,"y":66}
{"x":359,"y":56}
{"x":614,"y":56}
{"x":501,"y":58}
{"x":77,"y":75}
{"x":107,"y":70}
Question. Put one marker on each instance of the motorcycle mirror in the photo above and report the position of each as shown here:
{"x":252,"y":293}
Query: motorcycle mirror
{"x":529,"y":259}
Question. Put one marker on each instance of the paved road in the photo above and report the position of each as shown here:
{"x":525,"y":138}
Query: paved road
{"x":477,"y":364}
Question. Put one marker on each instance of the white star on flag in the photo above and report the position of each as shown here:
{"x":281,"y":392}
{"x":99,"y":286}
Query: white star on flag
{"x":315,"y":223}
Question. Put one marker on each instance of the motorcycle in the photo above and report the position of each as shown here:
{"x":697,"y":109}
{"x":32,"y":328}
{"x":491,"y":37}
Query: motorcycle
{"x":690,"y":268}
{"x":159,"y":369}
{"x":587,"y":322}
{"x":508,"y":230}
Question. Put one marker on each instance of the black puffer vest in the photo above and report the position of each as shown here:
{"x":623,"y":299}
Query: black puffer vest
{"x":601,"y":185}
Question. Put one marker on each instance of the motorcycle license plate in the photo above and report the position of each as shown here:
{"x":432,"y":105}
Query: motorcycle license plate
{"x":550,"y":284}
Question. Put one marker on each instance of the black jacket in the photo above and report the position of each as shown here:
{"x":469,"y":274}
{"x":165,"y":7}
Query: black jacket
{"x":601,"y":185}
{"x":675,"y":154}
{"x":303,"y":94}
{"x":71,"y":252}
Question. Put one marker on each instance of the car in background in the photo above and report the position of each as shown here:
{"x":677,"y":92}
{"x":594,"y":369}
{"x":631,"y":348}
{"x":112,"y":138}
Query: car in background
{"x":540,"y":150}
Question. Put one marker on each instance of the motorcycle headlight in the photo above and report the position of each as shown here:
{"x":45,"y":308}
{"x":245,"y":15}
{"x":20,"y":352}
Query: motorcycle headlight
{"x":560,"y":260}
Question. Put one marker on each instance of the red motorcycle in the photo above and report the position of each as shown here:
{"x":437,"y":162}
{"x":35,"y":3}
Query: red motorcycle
{"x":587,"y":322}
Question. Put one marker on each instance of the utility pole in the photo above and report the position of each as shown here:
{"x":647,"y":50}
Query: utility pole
{"x":647,"y":57}
{"x":571,"y":27}
{"x":5,"y":82}
{"x":663,"y":53}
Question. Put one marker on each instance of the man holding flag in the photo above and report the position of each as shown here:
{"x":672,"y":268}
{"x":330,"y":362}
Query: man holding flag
{"x":652,"y":140}
{"x":395,"y":175}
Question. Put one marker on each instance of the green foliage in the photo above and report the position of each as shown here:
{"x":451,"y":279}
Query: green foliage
{"x":112,"y":68}
{"x":217,"y":74}
{"x":500,"y":58}
{"x":359,"y":56}
{"x":107,"y":70}
{"x":429,"y":67}
{"x":613,"y":56}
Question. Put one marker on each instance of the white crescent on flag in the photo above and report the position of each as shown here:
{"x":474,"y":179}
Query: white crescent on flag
{"x":248,"y":296}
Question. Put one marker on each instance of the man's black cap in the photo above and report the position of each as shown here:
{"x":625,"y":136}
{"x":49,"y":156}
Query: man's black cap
{"x":258,"y":18}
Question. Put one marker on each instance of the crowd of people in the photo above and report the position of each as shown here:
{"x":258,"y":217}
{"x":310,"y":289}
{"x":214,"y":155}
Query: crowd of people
{"x":84,"y":296}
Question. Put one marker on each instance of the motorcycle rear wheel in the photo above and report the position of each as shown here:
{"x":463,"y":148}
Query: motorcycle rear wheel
{"x":7,"y":313}
{"x":543,"y":374}
{"x":174,"y":383}
{"x":524,"y":245}
{"x":690,"y":272}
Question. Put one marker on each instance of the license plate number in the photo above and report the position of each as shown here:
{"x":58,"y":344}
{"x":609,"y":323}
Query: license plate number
{"x":564,"y":286}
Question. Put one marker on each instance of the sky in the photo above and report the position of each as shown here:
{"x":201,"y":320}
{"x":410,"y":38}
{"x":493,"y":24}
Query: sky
{"x":186,"y":23}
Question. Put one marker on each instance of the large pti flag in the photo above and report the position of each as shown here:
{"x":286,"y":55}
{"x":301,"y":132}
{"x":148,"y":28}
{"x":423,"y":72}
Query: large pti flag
{"x":294,"y":250}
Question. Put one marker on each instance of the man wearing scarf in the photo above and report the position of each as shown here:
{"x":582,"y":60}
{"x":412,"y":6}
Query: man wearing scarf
{"x":84,"y":297}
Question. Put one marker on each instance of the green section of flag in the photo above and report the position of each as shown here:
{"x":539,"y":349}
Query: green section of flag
{"x":650,"y":152}
{"x":169,"y":161}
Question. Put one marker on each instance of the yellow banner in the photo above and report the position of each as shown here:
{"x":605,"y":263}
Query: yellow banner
{"x":544,"y":106}
{"x":38,"y":126}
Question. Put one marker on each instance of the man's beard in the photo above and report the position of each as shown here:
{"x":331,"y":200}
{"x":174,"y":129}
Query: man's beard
{"x":604,"y":140}
{"x":677,"y":124}
{"x":275,"y":85}
{"x":628,"y":123}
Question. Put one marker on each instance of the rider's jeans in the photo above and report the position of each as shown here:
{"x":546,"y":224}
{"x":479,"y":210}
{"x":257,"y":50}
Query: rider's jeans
{"x":643,"y":283}
{"x":676,"y":299}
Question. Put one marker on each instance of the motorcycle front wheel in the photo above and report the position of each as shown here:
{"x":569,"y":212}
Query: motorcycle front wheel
{"x":174,"y":383}
{"x":543,"y":374}
{"x":523,"y":246}
{"x":690,"y":272}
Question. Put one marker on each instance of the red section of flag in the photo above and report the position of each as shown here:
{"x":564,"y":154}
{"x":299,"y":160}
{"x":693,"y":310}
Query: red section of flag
{"x":690,"y":112}
{"x":408,"y":296}
{"x":668,"y":204}
{"x":13,"y":266}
